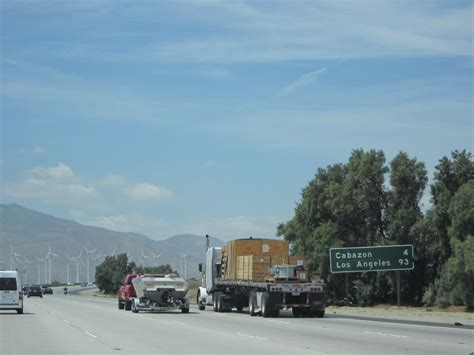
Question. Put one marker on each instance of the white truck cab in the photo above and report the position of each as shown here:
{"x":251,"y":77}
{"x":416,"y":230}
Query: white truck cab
{"x":11,"y":293}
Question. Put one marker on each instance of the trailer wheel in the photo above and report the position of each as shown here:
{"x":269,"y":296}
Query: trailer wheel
{"x":296,"y":312}
{"x":252,"y":304}
{"x":219,"y":302}
{"x":120,"y":304}
{"x":319,"y":314}
{"x":215,"y":296}
{"x":266,"y":306}
{"x":128,"y":305}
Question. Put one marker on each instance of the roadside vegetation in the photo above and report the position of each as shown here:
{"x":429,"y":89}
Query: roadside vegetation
{"x":111,"y":272}
{"x":367,"y":202}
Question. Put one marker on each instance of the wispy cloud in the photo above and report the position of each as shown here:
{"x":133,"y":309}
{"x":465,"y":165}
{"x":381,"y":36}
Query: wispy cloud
{"x":59,"y":185}
{"x":240,"y":31}
{"x":146,"y":191}
{"x":304,"y":80}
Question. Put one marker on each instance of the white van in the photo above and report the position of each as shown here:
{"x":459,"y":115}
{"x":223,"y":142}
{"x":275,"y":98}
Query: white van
{"x":11,"y":293}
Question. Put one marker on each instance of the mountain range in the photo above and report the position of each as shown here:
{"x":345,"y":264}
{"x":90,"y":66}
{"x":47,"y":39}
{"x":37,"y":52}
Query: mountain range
{"x":28,"y":236}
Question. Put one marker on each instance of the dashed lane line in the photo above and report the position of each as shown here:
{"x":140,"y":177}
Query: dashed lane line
{"x":251,"y":336}
{"x":386,"y":334}
{"x":90,"y":334}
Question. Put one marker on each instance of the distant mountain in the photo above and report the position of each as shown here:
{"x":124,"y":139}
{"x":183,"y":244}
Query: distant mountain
{"x":30,"y":234}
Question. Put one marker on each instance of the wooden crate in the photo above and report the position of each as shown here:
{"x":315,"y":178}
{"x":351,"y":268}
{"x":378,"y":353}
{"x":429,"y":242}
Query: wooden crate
{"x":256,"y":247}
{"x":297,"y":260}
{"x":279,"y":260}
{"x":252,"y":267}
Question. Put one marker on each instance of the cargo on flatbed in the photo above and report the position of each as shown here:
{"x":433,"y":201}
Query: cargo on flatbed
{"x":261,"y":275}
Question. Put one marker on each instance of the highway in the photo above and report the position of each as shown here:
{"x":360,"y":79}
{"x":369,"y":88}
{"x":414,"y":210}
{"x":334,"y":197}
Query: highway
{"x":72,"y":324}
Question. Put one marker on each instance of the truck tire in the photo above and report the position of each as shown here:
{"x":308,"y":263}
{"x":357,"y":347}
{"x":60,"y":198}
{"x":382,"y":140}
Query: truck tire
{"x":201,"y":306}
{"x":296,"y":312}
{"x":128,"y":305}
{"x":219,"y":302}
{"x":19,"y":310}
{"x":215,"y":296}
{"x":266,"y":305}
{"x":252,"y":304}
{"x":185,"y":310}
{"x":120,"y":304}
{"x":275,"y":313}
{"x":319,"y":314}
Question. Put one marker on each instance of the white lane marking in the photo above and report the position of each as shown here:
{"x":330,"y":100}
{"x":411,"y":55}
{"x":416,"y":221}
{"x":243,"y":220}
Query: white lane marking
{"x":53,"y":314}
{"x":66,"y":321}
{"x":386,"y":334}
{"x":251,"y":336}
{"x":90,"y":334}
{"x":400,"y":322}
{"x":277,"y":321}
{"x":176,"y":322}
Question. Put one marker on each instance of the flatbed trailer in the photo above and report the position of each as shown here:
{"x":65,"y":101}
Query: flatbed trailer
{"x":265,"y":298}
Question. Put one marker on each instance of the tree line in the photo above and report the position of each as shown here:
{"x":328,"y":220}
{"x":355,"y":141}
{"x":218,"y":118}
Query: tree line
{"x":367,"y":202}
{"x":110,"y":274}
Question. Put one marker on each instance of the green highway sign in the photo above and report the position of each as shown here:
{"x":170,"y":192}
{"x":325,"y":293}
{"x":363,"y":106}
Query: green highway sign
{"x":377,"y":258}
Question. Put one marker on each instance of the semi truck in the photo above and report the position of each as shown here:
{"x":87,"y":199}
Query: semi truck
{"x":261,"y":275}
{"x":159,"y":292}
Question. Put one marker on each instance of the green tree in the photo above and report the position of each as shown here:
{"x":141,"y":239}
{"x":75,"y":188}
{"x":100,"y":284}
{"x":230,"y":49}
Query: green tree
{"x":408,"y":179}
{"x":161,"y":269}
{"x":342,"y":206}
{"x":449,"y":176}
{"x":111,"y":272}
{"x":455,"y":286}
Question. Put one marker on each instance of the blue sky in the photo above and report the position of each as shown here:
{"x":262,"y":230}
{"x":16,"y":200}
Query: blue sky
{"x":167,"y":117}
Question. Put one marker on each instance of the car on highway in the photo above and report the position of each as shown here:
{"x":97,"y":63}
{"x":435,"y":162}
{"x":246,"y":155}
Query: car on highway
{"x":83,"y":284}
{"x":46,"y":290}
{"x":11,"y":293}
{"x":35,"y":290}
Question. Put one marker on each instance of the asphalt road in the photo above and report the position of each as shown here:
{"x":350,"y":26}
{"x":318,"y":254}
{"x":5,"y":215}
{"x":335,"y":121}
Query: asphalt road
{"x":61,"y":324}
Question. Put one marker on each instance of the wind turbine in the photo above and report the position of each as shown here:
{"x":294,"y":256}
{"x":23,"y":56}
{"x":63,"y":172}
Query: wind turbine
{"x":183,"y":258}
{"x":144,"y":257}
{"x":39,"y":267}
{"x":68,"y":259}
{"x":3,"y":262}
{"x":97,"y":259}
{"x":26,"y":261}
{"x":50,"y":257}
{"x":88,"y":253}
{"x":155,"y":258}
{"x":78,"y":259}
{"x":14,"y":257}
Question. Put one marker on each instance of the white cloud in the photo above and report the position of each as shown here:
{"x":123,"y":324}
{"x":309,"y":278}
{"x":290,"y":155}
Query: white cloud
{"x":50,"y":191}
{"x":302,"y":81}
{"x":38,"y":150}
{"x":55,"y":172}
{"x":112,"y":181}
{"x":148,"y":192}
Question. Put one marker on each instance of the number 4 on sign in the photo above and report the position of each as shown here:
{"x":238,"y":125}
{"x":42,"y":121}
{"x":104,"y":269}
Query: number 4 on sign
{"x":405,"y":252}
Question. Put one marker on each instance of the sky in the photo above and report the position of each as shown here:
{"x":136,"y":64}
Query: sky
{"x":210,"y":117}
